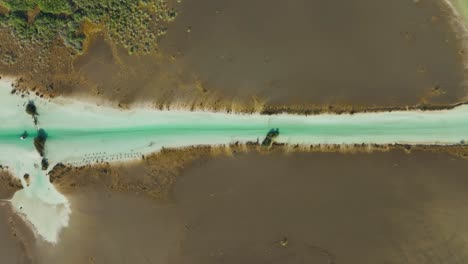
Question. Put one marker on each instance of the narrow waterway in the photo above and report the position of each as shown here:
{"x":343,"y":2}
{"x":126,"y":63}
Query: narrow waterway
{"x":80,"y":133}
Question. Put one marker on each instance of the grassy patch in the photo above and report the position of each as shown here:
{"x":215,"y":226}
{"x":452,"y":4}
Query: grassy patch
{"x":136,"y":24}
{"x":47,"y":6}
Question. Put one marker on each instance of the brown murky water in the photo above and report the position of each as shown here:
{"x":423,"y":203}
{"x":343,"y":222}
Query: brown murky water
{"x":332,"y":208}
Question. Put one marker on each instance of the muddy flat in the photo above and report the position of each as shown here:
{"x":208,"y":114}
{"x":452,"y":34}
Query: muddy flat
{"x":114,"y":228}
{"x":11,"y":249}
{"x":359,"y":52}
{"x":17,"y":238}
{"x":296,"y":208}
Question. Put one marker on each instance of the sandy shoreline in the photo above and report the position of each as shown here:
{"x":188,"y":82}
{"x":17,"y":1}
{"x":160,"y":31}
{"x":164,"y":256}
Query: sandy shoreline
{"x":18,"y":88}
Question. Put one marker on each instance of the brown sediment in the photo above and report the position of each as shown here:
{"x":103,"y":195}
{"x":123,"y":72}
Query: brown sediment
{"x":31,"y":14}
{"x":353,"y":109}
{"x":383,"y":207}
{"x":158,"y":172}
{"x":90,"y":30}
{"x":9,"y":184}
{"x":22,"y":235}
{"x":460,"y":151}
{"x":17,"y":237}
{"x":321,"y":54}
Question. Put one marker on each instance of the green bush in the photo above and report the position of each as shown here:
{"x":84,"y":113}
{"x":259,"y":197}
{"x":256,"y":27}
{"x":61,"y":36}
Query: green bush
{"x":132,"y":23}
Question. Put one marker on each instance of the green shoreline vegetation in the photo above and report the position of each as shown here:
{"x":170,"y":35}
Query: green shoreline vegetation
{"x":135,"y":25}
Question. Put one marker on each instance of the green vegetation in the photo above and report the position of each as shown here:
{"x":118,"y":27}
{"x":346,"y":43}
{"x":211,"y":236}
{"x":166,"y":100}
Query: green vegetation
{"x":135,"y":24}
{"x":49,"y":6}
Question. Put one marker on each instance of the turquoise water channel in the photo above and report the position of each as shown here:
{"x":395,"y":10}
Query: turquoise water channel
{"x":80,"y":133}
